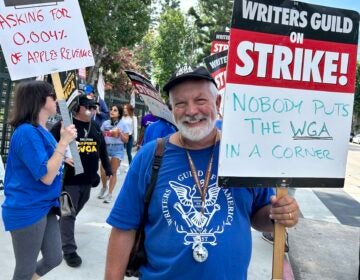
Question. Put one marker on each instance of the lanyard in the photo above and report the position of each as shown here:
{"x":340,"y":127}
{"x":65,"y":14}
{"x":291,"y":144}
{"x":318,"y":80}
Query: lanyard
{"x":194,"y":173}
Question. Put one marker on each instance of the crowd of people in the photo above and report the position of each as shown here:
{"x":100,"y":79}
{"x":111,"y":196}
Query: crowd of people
{"x":200,"y":224}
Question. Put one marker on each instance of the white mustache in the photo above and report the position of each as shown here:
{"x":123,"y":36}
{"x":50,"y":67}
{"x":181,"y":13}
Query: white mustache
{"x":193,"y":119}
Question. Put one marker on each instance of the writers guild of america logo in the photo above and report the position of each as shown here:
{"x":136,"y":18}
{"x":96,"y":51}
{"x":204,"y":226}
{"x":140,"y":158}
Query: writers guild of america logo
{"x":184,"y":70}
{"x":193,"y":223}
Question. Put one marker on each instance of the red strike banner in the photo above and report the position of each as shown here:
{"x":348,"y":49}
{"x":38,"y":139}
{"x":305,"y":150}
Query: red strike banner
{"x":318,"y":65}
{"x":289,"y":94}
{"x":220,"y":42}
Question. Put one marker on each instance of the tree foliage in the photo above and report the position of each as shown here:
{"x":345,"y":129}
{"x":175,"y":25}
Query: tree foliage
{"x":143,"y":52}
{"x":114,"y":24}
{"x":168,"y":50}
{"x":210,"y":17}
{"x":114,"y":67}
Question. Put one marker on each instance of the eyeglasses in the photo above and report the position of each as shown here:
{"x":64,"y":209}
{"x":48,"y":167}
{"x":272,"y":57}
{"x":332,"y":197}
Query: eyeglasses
{"x":91,"y":107}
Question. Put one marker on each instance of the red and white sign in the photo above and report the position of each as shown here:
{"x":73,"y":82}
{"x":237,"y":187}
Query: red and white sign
{"x":220,"y":42}
{"x":151,"y":96}
{"x":216,"y":64}
{"x":41,"y":39}
{"x":289,"y":94}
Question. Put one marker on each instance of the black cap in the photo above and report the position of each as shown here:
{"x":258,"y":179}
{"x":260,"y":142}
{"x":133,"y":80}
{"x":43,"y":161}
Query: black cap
{"x":86,"y":102}
{"x":187,"y":73}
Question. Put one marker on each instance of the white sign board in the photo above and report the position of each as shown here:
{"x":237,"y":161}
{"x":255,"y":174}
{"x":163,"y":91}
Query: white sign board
{"x":289,"y":94}
{"x":41,"y":39}
{"x":151,"y":96}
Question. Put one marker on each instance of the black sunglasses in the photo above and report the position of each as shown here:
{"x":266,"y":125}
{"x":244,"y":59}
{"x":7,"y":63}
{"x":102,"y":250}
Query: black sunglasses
{"x":52,"y":95}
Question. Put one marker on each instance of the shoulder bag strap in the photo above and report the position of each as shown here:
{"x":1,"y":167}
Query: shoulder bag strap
{"x":160,"y":147}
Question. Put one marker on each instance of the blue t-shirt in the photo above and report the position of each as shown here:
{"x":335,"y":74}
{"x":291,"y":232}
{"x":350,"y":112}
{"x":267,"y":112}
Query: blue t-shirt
{"x":27,"y":198}
{"x":175,"y":218}
{"x":158,"y":129}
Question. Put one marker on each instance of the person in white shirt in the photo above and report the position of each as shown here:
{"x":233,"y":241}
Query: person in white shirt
{"x":116,"y":134}
{"x":131,"y":121}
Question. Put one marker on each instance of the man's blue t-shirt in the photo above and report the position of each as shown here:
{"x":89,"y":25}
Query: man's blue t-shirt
{"x":27,"y":198}
{"x":158,"y":129}
{"x":175,"y":218}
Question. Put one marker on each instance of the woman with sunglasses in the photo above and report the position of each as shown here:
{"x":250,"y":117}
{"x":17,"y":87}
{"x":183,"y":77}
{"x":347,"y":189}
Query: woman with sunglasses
{"x":116,"y":134}
{"x":33,"y":181}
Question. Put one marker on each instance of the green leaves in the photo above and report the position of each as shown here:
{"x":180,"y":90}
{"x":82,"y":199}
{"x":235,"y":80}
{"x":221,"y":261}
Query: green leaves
{"x":167,"y":52}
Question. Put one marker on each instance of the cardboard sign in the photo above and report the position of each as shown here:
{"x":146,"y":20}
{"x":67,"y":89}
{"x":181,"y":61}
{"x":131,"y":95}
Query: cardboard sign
{"x":68,"y":81}
{"x":39,"y":40}
{"x":216,"y":64}
{"x":289,"y":94}
{"x":220,"y":42}
{"x":151,"y":96}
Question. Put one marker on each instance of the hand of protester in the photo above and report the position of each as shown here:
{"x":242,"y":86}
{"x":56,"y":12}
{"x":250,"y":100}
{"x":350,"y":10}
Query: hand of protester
{"x":115,"y":133}
{"x":69,"y":161}
{"x":68,"y":134}
{"x":284,"y":210}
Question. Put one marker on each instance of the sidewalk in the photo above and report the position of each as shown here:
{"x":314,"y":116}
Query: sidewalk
{"x":324,"y":250}
{"x":321,"y":247}
{"x":92,"y":234}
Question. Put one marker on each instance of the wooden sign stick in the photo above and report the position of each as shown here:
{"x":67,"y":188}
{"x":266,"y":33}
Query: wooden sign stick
{"x":279,"y":241}
{"x":66,"y":121}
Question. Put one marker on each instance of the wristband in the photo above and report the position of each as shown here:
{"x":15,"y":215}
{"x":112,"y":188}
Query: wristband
{"x":59,"y":153}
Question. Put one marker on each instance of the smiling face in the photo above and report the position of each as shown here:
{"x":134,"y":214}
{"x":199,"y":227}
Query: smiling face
{"x":194,"y":107}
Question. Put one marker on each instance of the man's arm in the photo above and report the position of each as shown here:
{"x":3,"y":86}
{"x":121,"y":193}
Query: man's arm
{"x":104,"y":111}
{"x":284,"y":210}
{"x":261,"y":221}
{"x":118,"y":252}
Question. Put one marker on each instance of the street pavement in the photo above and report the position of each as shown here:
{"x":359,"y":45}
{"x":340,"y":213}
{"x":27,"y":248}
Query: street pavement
{"x":322,"y":246}
{"x":325,"y":243}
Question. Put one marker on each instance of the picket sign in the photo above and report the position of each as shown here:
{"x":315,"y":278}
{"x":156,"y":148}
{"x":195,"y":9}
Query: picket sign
{"x":66,"y":121}
{"x":279,"y":242}
{"x":39,"y":37}
{"x":151,"y":96}
{"x":288,"y":100}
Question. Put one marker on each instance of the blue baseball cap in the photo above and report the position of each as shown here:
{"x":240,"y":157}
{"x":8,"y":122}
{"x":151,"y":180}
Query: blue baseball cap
{"x":88,"y":89}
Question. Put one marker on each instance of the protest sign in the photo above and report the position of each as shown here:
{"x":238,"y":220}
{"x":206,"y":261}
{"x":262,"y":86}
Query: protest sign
{"x":40,"y":37}
{"x":289,"y":94}
{"x":151,"y":96}
{"x":216,"y":64}
{"x":38,"y":40}
{"x":220,"y":42}
{"x":101,"y":86}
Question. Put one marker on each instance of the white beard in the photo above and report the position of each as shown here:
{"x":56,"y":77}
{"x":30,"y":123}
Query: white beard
{"x":195,"y":133}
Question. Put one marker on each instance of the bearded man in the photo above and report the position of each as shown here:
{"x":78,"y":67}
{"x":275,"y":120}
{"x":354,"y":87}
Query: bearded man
{"x":195,"y":229}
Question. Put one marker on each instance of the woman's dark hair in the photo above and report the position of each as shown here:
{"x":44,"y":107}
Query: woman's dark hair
{"x":121,"y":113}
{"x":30,"y":97}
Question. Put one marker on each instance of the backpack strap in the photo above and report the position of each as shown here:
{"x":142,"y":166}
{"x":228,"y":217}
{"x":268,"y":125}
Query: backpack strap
{"x":160,"y":147}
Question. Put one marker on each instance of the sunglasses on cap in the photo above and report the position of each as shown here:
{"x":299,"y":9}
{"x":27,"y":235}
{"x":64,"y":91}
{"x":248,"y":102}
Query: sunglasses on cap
{"x":92,"y":107}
